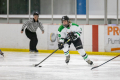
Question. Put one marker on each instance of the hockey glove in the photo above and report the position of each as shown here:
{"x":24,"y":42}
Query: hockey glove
{"x":60,"y":45}
{"x":71,"y":36}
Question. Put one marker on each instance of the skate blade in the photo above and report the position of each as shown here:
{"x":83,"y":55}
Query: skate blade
{"x":90,"y":65}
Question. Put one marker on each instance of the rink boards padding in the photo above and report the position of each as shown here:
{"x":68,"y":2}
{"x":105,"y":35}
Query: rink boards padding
{"x":61,"y":52}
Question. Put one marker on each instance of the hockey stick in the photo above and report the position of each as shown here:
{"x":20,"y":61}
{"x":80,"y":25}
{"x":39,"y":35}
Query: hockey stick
{"x":48,"y":56}
{"x":105,"y":62}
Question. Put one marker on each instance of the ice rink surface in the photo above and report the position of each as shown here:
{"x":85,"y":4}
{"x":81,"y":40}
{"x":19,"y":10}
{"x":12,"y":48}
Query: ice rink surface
{"x":19,"y":66}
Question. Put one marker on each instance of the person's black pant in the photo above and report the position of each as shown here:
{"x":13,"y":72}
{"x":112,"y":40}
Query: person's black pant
{"x":33,"y":39}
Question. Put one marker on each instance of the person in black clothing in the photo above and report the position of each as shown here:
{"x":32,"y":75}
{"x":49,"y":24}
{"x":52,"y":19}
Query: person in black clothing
{"x":30,"y":31}
{"x":1,"y":53}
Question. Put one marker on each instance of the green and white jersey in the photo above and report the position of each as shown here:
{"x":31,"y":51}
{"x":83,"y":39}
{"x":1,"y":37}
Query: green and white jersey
{"x":63,"y":31}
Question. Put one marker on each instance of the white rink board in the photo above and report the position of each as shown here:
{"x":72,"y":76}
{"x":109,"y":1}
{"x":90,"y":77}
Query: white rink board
{"x":11,"y":37}
{"x":87,"y":37}
{"x":101,"y":38}
{"x":52,"y":29}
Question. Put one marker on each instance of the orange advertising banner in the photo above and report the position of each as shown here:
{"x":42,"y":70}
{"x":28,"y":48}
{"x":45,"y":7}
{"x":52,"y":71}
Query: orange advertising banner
{"x":112,"y":38}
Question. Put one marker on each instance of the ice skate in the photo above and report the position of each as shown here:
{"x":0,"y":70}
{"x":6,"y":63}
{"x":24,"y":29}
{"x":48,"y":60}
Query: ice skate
{"x":67,"y":59}
{"x":89,"y":62}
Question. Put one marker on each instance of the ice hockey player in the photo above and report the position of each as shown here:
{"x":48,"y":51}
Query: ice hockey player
{"x":1,"y":53}
{"x":71,"y":31}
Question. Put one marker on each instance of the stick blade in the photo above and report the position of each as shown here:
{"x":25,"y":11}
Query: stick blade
{"x":94,"y":67}
{"x":35,"y":65}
